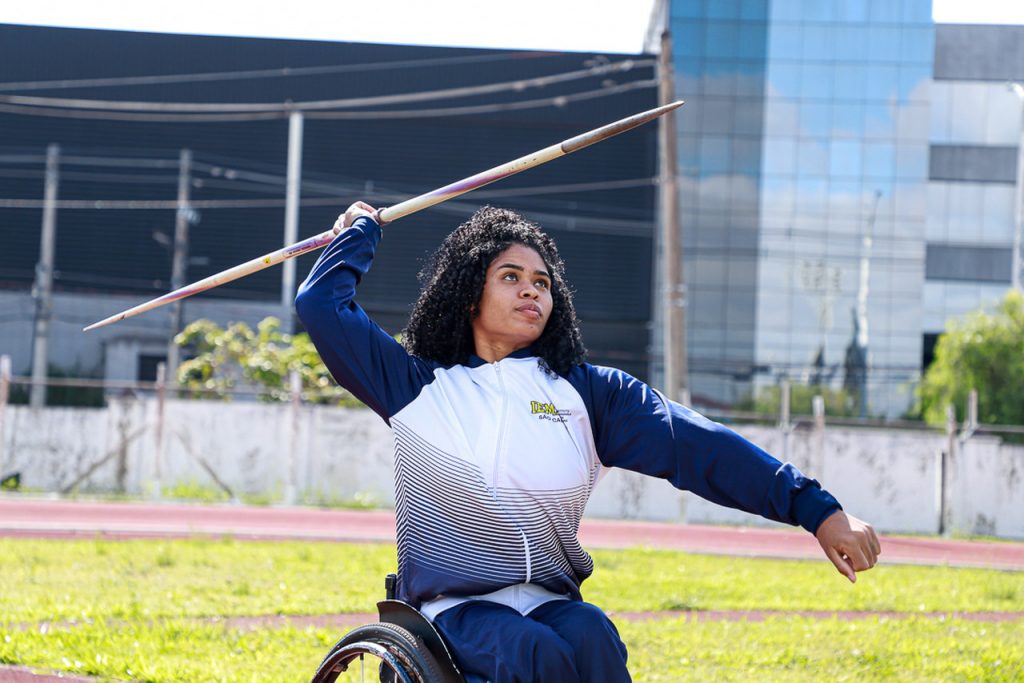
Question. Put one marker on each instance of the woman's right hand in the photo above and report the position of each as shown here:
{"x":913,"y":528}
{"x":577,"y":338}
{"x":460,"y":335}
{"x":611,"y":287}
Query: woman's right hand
{"x":353,"y":212}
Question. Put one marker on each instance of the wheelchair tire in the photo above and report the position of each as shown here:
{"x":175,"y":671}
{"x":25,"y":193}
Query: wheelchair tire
{"x":403,"y":657}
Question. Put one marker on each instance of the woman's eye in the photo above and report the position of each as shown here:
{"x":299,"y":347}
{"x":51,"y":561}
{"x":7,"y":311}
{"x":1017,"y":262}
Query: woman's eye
{"x":510,"y":276}
{"x":542,"y":284}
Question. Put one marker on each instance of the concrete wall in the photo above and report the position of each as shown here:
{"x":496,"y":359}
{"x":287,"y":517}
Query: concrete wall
{"x":888,"y":477}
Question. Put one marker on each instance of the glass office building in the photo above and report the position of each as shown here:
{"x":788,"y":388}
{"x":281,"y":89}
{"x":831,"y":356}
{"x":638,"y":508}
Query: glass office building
{"x":827,"y":187}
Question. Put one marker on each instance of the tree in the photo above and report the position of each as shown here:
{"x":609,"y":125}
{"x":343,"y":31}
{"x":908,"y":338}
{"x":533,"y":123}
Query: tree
{"x":982,"y":351}
{"x":235,"y":357}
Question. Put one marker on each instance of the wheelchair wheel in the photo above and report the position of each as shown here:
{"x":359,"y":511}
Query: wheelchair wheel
{"x":379,"y":652}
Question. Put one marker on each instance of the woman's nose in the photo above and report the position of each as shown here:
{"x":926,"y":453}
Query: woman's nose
{"x":529,"y":292}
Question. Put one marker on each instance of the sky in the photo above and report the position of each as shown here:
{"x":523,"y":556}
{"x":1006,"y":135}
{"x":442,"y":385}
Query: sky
{"x":573,"y":25}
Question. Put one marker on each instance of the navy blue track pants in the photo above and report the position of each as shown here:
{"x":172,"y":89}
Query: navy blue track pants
{"x":563,"y":641}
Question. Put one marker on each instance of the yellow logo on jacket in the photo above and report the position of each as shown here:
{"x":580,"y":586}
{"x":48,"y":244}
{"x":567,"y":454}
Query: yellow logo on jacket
{"x":548,"y":411}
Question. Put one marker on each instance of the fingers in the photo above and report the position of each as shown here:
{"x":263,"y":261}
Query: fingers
{"x":876,"y":545}
{"x":354,"y":211}
{"x":841,"y":564}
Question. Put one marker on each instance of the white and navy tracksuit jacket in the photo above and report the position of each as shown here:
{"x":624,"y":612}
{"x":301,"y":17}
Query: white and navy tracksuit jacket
{"x":494,"y":462}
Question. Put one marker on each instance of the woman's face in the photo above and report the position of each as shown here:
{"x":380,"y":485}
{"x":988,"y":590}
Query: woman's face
{"x":515,"y":304}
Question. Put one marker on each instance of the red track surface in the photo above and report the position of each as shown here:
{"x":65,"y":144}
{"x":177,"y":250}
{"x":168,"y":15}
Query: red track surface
{"x":42,"y":518}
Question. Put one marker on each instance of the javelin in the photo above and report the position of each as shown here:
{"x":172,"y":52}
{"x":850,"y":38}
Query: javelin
{"x":393,"y":213}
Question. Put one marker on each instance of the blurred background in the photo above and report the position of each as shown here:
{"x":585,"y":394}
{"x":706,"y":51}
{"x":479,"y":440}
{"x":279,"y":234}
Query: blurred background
{"x":843,"y":181}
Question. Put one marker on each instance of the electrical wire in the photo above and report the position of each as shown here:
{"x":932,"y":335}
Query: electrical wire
{"x":281,"y":72}
{"x":517,"y":85}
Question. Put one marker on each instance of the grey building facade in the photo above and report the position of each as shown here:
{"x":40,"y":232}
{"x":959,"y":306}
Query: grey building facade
{"x":847,"y":173}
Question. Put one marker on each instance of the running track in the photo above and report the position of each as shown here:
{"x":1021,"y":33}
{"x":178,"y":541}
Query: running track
{"x":61,"y":519}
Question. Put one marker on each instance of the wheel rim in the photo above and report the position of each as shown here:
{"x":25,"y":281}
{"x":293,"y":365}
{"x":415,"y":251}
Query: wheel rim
{"x":341,"y":661}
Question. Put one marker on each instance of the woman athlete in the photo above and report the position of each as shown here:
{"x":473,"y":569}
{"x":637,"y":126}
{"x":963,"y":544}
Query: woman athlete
{"x":502,"y":430}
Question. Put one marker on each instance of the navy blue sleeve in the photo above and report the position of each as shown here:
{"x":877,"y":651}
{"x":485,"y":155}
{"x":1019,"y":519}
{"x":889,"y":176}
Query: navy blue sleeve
{"x":361,"y":356}
{"x":637,"y":428}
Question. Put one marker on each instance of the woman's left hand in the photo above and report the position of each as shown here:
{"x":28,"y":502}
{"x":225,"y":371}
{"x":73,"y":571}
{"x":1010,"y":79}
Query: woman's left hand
{"x":849,"y":543}
{"x":354,"y":211}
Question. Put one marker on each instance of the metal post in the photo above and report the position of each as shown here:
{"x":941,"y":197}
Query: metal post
{"x":818,"y":404}
{"x":291,"y":204}
{"x":295,"y":384}
{"x":784,"y":392}
{"x":784,"y":418}
{"x":158,"y":431}
{"x":44,"y":280}
{"x":179,"y":260}
{"x":674,"y":301}
{"x":946,"y":472}
{"x":5,"y":392}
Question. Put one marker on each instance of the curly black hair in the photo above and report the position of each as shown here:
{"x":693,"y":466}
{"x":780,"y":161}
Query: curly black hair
{"x":440,"y":327}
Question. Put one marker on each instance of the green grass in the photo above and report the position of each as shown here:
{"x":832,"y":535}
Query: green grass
{"x":134,"y":611}
{"x":96,"y":579}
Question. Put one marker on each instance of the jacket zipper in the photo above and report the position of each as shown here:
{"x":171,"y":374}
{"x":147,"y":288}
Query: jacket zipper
{"x":502,"y":442}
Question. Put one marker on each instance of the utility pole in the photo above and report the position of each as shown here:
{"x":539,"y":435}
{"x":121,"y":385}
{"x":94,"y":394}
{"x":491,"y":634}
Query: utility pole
{"x":291,"y":204}
{"x":179,"y":259}
{"x":676,"y":383}
{"x":44,"y":280}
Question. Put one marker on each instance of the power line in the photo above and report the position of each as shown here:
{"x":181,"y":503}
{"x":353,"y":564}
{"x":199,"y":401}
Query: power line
{"x":281,"y":72}
{"x":517,"y":85}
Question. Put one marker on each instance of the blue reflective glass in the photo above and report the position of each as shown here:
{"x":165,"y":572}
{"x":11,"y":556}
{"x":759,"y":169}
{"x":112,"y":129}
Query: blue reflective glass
{"x":786,"y":10}
{"x":686,"y":8}
{"x":879,"y":159}
{"x":717,"y":115}
{"x":749,"y":113}
{"x":883,"y":82}
{"x":812,"y":158}
{"x":752,"y":40}
{"x":917,"y":44}
{"x":815,"y":119}
{"x":784,"y":41}
{"x":912,"y":122}
{"x":724,"y":9}
{"x":687,"y":40}
{"x":688,"y":150}
{"x":851,"y":81}
{"x":753,"y":10}
{"x":715,"y":155}
{"x":883,"y":44}
{"x":915,"y":84}
{"x":912,"y":162}
{"x":746,"y":156}
{"x":817,"y":10}
{"x":818,"y":42}
{"x":848,"y":119}
{"x":688,"y":85}
{"x":845,"y":158}
{"x":777,"y":196}
{"x":721,"y":39}
{"x":719,"y":81}
{"x":750,"y":79}
{"x":780,"y":118}
{"x":878,"y":121}
{"x":917,"y":11}
{"x":688,"y":118}
{"x":784,"y":78}
{"x":851,"y":43}
{"x":811,"y":196}
{"x":816,"y":81}
{"x":884,"y":11}
{"x":779,"y":156}
{"x":849,"y":11}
